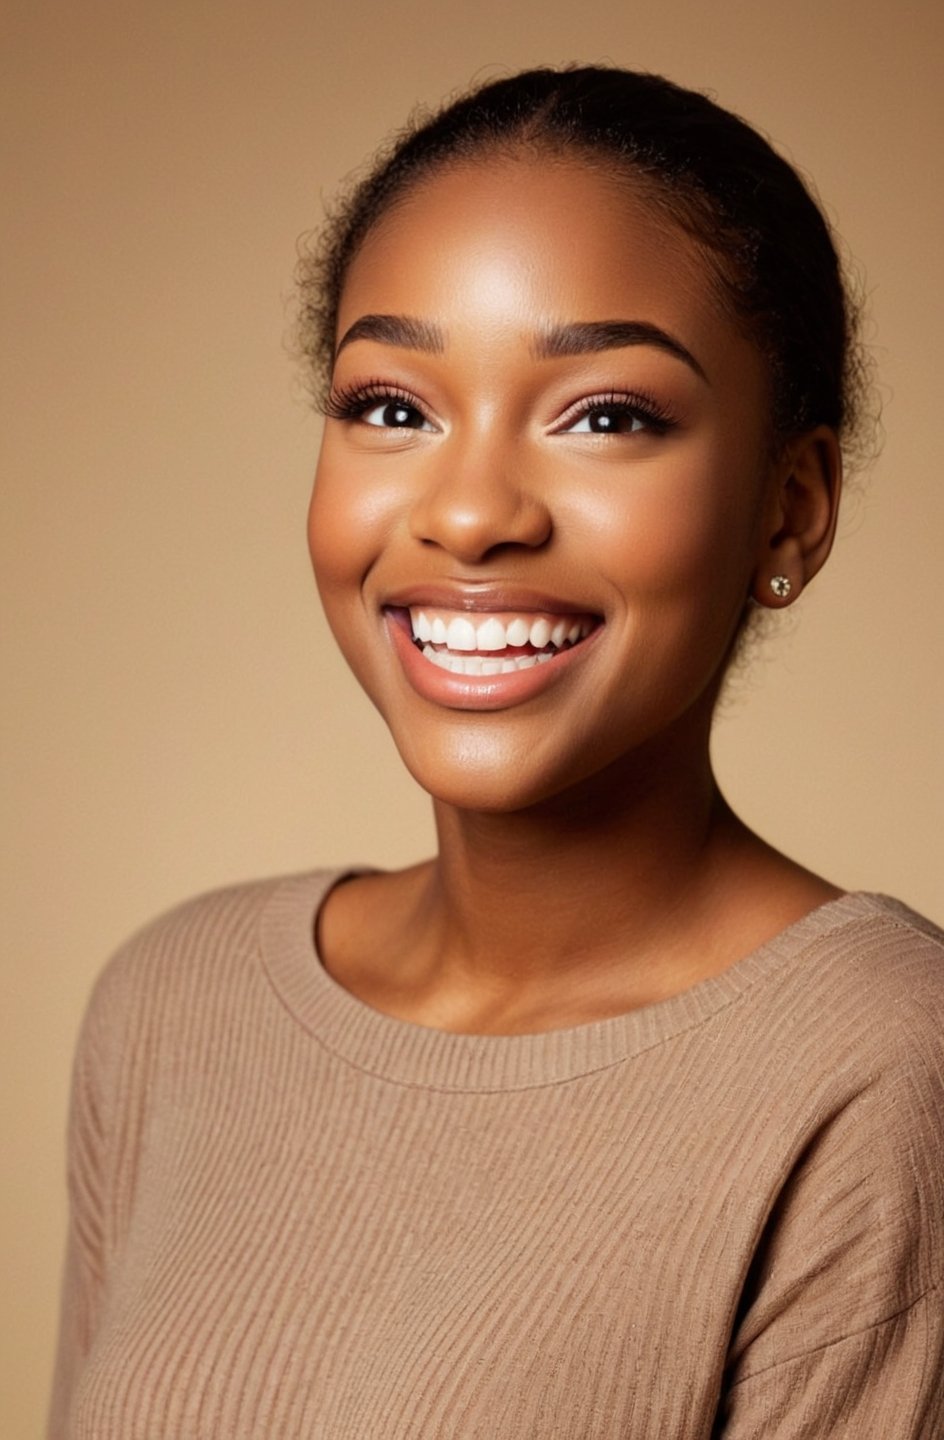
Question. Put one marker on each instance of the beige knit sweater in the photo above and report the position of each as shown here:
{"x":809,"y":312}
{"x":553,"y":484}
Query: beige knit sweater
{"x":293,"y":1216}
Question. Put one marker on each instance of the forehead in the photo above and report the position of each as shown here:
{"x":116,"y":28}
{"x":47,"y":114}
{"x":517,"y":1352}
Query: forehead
{"x":514,"y":242}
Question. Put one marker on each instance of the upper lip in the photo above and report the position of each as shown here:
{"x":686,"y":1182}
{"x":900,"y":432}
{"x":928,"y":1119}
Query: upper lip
{"x":484,"y":596}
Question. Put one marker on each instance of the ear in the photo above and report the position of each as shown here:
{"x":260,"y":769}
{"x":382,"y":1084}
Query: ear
{"x":800,"y":521}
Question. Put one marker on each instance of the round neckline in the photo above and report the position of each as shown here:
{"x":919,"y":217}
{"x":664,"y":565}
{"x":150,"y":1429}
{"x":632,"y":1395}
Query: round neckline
{"x":406,"y":1053}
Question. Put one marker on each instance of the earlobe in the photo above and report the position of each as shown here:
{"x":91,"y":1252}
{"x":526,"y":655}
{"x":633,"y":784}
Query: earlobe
{"x":801,"y":520}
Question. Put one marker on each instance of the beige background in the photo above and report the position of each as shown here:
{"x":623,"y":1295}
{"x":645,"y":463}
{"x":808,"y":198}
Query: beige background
{"x":175,"y":716}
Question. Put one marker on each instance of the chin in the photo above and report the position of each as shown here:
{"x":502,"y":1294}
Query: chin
{"x":473,"y":774}
{"x":493,"y":789}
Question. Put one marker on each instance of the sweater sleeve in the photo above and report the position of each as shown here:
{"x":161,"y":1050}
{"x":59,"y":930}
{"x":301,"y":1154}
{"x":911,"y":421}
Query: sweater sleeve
{"x":883,"y":1383}
{"x":83,"y":1284}
{"x":841,"y":1331}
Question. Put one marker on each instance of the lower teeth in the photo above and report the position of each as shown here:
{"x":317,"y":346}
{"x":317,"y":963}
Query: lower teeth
{"x":482,"y":664}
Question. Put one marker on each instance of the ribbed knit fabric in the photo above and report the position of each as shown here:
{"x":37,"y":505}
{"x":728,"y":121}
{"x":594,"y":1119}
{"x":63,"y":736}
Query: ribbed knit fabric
{"x":294,"y":1216}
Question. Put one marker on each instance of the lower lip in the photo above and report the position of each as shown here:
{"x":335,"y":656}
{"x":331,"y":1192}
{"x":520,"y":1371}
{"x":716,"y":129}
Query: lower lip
{"x":478,"y":692}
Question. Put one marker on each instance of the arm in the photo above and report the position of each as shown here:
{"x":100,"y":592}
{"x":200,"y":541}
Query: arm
{"x":83,"y":1279}
{"x":841,"y":1331}
{"x":883,"y":1383}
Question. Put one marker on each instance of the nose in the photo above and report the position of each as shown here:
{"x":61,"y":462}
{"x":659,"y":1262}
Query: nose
{"x":474,"y":504}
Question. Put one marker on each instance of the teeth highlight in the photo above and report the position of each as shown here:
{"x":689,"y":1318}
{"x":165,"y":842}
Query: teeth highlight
{"x":491,"y":636}
{"x":422,"y":629}
{"x":462,"y":636}
{"x":540,"y":634}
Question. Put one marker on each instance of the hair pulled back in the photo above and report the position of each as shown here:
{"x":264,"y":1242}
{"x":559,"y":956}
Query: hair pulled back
{"x":763,"y":237}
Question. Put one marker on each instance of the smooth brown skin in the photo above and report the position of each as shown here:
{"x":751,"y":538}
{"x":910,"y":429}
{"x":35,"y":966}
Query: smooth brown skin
{"x":587,"y":862}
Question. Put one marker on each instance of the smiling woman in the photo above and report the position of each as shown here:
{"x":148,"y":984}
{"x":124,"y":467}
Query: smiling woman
{"x":608,"y":1120}
{"x":536,"y":459}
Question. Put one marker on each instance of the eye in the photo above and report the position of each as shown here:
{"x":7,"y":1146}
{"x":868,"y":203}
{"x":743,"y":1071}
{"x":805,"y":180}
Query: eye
{"x":608,"y":420}
{"x":615,"y":414}
{"x":394,"y":415}
{"x":379,"y":405}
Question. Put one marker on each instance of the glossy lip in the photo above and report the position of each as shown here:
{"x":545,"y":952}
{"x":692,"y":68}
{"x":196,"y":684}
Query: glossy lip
{"x":489,"y":598}
{"x":480,"y":692}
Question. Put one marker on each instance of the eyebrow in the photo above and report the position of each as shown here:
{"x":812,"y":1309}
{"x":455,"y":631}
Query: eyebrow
{"x":587,"y":336}
{"x":399,"y":330}
{"x":580,"y":337}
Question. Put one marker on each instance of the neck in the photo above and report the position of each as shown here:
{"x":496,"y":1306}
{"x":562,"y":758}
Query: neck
{"x":583,"y":879}
{"x":626,"y":889}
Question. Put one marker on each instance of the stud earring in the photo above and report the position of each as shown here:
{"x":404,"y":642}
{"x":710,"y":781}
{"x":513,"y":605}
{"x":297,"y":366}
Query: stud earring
{"x":780,"y":585}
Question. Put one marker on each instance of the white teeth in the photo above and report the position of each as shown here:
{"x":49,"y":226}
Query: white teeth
{"x":477,"y":665}
{"x":491,"y":635}
{"x":422,"y":630}
{"x":472,"y":649}
{"x":460,"y":634}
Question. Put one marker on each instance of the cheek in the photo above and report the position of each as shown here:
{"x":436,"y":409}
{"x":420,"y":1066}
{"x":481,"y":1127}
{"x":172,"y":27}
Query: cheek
{"x":351,"y":520}
{"x":681,"y":535}
{"x":330,"y":536}
{"x":347,"y":522}
{"x":339,"y":561}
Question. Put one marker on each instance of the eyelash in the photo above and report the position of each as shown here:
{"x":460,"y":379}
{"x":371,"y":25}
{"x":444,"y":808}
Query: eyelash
{"x":630,"y":403}
{"x":355,"y":401}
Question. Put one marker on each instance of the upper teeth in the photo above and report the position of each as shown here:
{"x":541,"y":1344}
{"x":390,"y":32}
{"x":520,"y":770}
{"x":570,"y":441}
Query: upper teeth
{"x":492,"y":632}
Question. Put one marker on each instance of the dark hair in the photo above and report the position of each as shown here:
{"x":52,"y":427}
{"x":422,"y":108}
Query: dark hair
{"x":761,"y":232}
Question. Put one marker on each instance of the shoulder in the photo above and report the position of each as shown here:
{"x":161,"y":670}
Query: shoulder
{"x":902,"y":960}
{"x":195,"y":930}
{"x":868,"y":971}
{"x":885,"y":932}
{"x":200,"y":956}
{"x":224,"y":919}
{"x":869,"y":989}
{"x":846,"y":1002}
{"x":839,"y":1050}
{"x":853,"y":1074}
{"x":854,"y":1021}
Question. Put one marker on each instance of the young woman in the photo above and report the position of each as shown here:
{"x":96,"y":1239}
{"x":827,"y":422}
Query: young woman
{"x":609,"y":1120}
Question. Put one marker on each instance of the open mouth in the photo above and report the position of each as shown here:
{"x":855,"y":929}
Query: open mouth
{"x":494,"y":643}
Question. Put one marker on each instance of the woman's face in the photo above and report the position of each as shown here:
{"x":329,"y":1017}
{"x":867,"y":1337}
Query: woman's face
{"x":542,"y":488}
